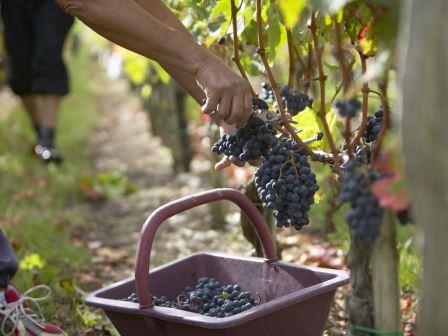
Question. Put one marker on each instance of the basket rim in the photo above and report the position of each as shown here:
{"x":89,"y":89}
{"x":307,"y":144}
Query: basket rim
{"x":175,"y":315}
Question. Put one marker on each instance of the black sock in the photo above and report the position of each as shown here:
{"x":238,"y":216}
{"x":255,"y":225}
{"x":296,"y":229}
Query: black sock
{"x":46,"y":136}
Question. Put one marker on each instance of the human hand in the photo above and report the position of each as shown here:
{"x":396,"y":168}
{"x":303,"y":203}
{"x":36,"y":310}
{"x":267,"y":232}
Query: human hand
{"x":228,"y":94}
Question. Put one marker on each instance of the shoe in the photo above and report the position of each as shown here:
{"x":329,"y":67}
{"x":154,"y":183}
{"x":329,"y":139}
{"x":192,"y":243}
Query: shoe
{"x":18,"y":319}
{"x":48,"y":154}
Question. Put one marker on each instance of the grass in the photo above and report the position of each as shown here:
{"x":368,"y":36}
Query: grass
{"x":40,"y":205}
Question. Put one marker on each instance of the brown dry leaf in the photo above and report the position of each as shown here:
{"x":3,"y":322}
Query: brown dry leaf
{"x":23,"y":194}
{"x":107,"y":254}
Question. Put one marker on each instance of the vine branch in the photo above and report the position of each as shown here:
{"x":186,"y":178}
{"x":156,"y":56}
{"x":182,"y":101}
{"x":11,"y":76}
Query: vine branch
{"x":292,"y":60}
{"x":365,"y":104}
{"x":383,"y":85}
{"x":322,"y":79}
{"x":345,"y":82}
{"x":276,"y":89}
{"x":236,"y":55}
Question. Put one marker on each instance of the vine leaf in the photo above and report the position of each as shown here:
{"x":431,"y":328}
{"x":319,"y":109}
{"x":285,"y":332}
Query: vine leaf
{"x":276,"y":37}
{"x":291,"y":10}
{"x":222,"y":7}
{"x":310,"y":124}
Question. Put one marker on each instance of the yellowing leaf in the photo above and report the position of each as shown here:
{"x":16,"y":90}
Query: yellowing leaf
{"x":291,"y":10}
{"x":309,"y":124}
{"x":31,"y":262}
{"x":318,"y":198}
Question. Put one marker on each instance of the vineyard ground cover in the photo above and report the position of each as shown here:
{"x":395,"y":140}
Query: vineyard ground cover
{"x":109,"y":229}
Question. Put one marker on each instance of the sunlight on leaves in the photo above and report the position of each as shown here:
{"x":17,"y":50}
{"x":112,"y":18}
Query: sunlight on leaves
{"x":291,"y":10}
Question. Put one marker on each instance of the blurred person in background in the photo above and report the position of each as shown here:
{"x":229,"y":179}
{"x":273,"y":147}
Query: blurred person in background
{"x":34,"y":33}
{"x":147,"y":27}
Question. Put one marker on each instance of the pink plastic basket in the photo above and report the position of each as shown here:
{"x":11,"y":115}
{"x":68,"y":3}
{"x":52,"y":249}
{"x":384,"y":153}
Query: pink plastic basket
{"x":298,"y":298}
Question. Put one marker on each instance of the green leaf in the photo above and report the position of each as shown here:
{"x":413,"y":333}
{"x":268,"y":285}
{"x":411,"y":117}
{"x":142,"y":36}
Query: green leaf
{"x":309,"y":124}
{"x":222,"y":7}
{"x":276,"y":36}
{"x":251,"y":66}
{"x":291,"y":10}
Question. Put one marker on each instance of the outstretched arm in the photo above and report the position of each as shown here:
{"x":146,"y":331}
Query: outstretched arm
{"x":128,"y":23}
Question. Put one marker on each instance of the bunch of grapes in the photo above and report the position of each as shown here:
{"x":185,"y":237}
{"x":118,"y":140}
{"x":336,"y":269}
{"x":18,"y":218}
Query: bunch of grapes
{"x":267,"y":94}
{"x":286,"y":185}
{"x":251,"y":141}
{"x":348,"y":108}
{"x":208,"y":298}
{"x":365,"y":216}
{"x":295,"y":102}
{"x":373,"y":127}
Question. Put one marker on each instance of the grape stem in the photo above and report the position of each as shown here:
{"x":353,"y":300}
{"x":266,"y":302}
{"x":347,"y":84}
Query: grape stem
{"x":383,"y":85}
{"x":236,"y":55}
{"x":365,"y":104}
{"x":292,"y":60}
{"x":345,"y":82}
{"x":275,"y":88}
{"x":322,"y":78}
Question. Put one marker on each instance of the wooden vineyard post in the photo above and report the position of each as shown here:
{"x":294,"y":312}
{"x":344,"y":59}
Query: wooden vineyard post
{"x":359,"y":302}
{"x":385,"y":280}
{"x":424,"y":107}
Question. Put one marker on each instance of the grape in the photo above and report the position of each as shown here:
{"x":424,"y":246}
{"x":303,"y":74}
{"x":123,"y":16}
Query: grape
{"x":286,"y":185}
{"x":348,"y":108}
{"x":373,"y":127}
{"x":295,"y":102}
{"x":365,"y":216}
{"x":267,"y":94}
{"x":251,"y":141}
{"x":209,"y":298}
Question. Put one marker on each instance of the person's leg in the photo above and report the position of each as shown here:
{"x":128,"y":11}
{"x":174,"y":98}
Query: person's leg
{"x":50,"y":77}
{"x":19,"y":46}
{"x":29,"y":101}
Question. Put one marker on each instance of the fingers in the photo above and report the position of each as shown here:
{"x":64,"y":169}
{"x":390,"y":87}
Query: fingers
{"x":224,"y":108}
{"x":211,"y":104}
{"x":237,"y":111}
{"x":223,"y":164}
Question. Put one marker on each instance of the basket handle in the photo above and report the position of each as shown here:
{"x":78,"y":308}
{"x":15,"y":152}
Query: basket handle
{"x":164,"y":212}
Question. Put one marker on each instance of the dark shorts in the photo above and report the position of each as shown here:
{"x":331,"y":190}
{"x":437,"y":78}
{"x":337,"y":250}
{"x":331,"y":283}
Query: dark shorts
{"x":35,"y":32}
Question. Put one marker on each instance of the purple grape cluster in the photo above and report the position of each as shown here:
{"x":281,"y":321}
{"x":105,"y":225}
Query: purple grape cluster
{"x":295,"y":102}
{"x":251,"y":141}
{"x":208,"y":298}
{"x":286,"y":185}
{"x":267,"y":94}
{"x":365,"y":216}
{"x":348,"y":108}
{"x":373,"y":127}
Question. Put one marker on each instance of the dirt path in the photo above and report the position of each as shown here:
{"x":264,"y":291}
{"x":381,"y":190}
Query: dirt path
{"x":122,"y":142}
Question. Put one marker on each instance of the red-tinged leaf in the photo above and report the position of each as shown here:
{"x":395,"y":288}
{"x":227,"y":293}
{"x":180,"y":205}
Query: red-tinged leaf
{"x":391,"y":193}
